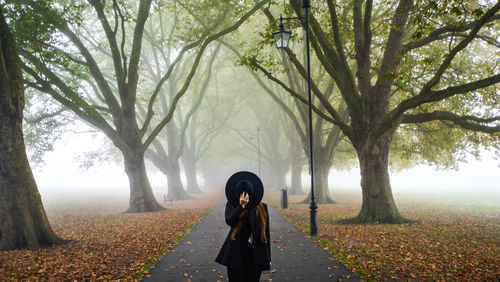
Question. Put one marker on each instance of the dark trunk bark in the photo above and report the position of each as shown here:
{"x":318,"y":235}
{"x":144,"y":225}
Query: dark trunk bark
{"x":378,"y":204}
{"x":23,"y":222}
{"x":141,"y":194}
{"x":189,"y":162}
{"x":175,"y":189}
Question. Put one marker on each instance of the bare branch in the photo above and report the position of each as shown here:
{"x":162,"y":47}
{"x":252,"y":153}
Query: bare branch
{"x":187,"y":82}
{"x":111,"y":37}
{"x":96,"y":73}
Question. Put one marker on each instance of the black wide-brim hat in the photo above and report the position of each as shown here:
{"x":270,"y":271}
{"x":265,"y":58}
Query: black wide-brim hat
{"x":244,"y":181}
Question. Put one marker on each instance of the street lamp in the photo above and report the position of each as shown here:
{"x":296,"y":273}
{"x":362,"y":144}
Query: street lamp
{"x":281,"y":37}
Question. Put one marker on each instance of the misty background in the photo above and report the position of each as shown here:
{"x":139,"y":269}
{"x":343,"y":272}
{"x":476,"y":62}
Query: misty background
{"x":228,"y":117}
{"x":474,"y":183}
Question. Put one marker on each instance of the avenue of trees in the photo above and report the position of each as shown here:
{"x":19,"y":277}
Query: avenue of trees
{"x":196,"y":86}
{"x":64,"y":53}
{"x":393,"y":64}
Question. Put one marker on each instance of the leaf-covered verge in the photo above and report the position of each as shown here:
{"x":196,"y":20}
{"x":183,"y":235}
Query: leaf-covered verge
{"x":105,"y":244}
{"x":447,"y":243}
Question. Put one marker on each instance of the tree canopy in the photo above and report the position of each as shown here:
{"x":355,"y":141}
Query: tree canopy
{"x":398,"y":66}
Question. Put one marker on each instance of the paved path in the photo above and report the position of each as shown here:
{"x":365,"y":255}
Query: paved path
{"x":294,"y":257}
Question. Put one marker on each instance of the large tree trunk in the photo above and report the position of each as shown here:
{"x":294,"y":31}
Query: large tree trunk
{"x":168,"y":165}
{"x":189,"y":162}
{"x":141,"y":194}
{"x":23,"y":222}
{"x":175,"y":189}
{"x":378,"y":204}
{"x":173,"y":171}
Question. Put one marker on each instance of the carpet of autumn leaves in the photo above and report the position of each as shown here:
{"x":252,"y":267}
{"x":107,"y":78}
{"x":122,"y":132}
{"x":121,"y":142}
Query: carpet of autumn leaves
{"x":447,"y":243}
{"x":105,"y":244}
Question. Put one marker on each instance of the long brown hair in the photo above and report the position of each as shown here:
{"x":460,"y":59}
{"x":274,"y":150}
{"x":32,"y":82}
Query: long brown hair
{"x":262,"y":215}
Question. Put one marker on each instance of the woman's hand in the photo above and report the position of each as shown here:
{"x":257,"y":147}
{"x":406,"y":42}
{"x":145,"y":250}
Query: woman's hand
{"x":244,"y":198}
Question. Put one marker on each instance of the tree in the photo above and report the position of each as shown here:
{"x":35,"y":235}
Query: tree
{"x":23,"y":222}
{"x":169,"y":146}
{"x":382,"y":40}
{"x":190,"y":154}
{"x":67,"y":68}
{"x":327,"y":137}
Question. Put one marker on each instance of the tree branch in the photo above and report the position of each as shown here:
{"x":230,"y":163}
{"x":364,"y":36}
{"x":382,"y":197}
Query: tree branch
{"x":198,"y":100}
{"x":111,"y":37}
{"x":441,"y":33}
{"x":79,"y":107}
{"x":362,"y":43}
{"x":339,"y":44}
{"x":124,"y":56}
{"x":135,"y":53}
{"x":392,"y":56}
{"x":181,"y":92}
{"x":468,"y":122}
{"x":34,"y":120}
{"x":460,"y":46}
{"x":426,"y":95}
{"x":283,"y":106}
{"x":150,"y":112}
{"x":295,"y":94}
{"x":96,"y":73}
{"x":340,"y":72}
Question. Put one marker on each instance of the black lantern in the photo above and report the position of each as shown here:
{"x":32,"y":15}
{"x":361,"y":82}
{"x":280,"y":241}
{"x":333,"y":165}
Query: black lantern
{"x":282,"y":36}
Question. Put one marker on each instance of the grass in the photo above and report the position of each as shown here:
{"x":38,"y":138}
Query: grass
{"x":450,"y":242}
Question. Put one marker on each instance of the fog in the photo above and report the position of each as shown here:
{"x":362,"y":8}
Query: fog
{"x":475,"y":182}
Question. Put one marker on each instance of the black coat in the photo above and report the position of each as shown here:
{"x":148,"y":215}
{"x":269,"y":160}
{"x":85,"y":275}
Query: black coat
{"x":232,"y":251}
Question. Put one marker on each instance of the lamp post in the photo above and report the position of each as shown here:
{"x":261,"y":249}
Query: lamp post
{"x":281,"y":38}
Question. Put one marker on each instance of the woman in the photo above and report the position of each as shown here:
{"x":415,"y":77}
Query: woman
{"x":247,"y":249}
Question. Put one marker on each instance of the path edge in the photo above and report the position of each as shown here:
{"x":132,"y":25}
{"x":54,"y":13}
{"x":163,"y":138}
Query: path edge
{"x":327,"y":245}
{"x":139,"y":276}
